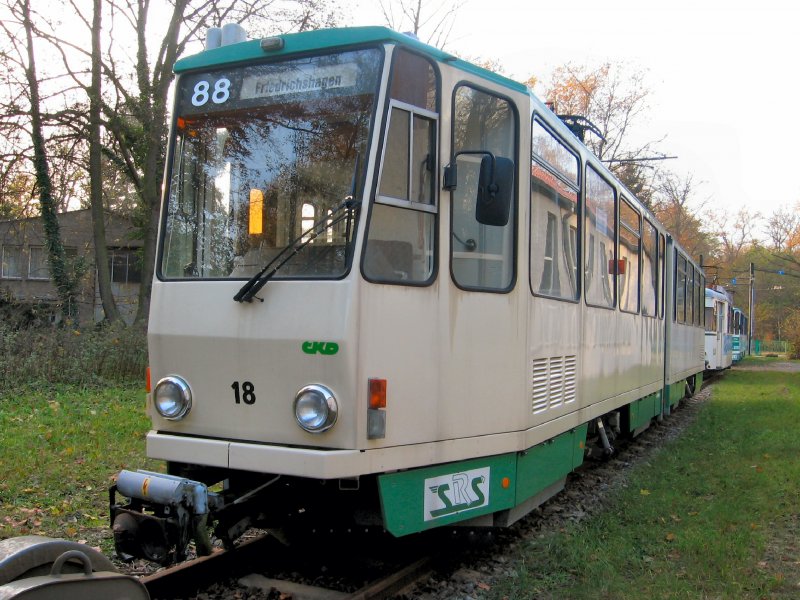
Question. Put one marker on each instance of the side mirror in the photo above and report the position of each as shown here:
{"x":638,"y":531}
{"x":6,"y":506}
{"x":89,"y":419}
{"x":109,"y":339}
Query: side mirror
{"x":495,"y":187}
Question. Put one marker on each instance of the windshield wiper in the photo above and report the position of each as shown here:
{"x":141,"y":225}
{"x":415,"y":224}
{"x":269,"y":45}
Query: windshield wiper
{"x":251,"y":288}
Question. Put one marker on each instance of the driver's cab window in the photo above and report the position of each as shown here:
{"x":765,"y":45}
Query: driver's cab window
{"x":482,"y":253}
{"x":400,"y":241}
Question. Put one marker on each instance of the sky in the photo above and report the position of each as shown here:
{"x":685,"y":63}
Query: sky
{"x":724,"y":78}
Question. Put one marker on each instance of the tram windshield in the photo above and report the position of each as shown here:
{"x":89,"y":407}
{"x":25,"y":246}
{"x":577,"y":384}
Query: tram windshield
{"x":262,"y":153}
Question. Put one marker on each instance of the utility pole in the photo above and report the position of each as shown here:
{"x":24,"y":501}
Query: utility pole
{"x":750,"y":310}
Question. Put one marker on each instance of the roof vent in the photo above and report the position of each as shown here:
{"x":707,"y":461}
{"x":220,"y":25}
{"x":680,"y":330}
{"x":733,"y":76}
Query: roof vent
{"x":230,"y":33}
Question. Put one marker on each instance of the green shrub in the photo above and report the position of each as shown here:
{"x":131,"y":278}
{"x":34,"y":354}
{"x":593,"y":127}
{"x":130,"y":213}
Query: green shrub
{"x":100,"y":355}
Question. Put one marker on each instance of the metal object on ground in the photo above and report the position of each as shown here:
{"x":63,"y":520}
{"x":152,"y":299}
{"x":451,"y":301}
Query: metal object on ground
{"x":42,"y":568}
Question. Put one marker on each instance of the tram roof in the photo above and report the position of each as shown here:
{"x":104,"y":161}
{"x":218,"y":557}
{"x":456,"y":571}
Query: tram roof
{"x":323,"y":39}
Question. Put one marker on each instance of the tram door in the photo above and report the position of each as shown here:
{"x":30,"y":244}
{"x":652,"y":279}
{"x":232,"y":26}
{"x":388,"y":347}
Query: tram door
{"x":483,"y":317}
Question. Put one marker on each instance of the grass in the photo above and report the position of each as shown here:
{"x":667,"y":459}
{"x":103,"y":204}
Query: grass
{"x":715,"y":514}
{"x":60,"y":448}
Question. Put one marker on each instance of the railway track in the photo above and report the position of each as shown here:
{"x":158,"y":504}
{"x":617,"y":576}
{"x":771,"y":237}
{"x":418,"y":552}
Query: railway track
{"x":246,"y":562}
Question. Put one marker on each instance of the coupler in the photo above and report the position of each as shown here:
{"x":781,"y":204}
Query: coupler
{"x":164,"y":514}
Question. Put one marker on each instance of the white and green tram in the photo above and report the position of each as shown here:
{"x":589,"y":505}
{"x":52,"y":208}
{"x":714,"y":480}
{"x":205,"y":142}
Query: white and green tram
{"x":392,"y":290}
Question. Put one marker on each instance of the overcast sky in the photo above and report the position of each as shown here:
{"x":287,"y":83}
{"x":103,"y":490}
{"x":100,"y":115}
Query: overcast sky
{"x":724,"y":76}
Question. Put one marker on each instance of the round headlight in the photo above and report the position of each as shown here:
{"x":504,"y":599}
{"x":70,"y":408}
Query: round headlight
{"x":315,"y":408}
{"x":172,"y":398}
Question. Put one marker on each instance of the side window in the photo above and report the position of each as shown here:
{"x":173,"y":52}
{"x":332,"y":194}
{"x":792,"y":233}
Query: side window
{"x":689,"y":293}
{"x":601,"y":233}
{"x":680,"y":288}
{"x":710,"y":315}
{"x":649,"y":269}
{"x":400,"y":241}
{"x":630,"y":223}
{"x":701,"y":297}
{"x":662,"y":275}
{"x":554,"y":216}
{"x":482,"y":255}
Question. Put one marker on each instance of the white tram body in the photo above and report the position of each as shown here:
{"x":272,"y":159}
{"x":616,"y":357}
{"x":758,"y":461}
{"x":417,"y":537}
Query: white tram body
{"x":719,"y":329}
{"x":437,"y":355}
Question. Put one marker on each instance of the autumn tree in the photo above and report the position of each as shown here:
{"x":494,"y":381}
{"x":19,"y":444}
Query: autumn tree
{"x":783,"y":229}
{"x":614,"y":99}
{"x":677,"y":206}
{"x":735,"y":233}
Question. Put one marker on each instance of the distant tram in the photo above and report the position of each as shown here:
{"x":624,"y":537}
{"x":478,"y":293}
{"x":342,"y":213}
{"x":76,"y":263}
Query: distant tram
{"x":393,"y":291}
{"x":719,"y":329}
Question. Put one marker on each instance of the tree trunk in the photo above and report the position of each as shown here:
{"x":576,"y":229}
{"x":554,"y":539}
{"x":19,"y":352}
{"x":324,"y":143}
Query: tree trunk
{"x":96,"y":175}
{"x":153,"y":97}
{"x":64,"y":281}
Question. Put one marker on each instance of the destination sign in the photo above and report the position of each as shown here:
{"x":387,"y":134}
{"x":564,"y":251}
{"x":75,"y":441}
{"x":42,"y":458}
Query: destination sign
{"x":299,"y":80}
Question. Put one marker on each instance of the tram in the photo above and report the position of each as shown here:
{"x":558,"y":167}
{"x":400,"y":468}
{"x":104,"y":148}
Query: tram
{"x":393,"y":290}
{"x":719,"y":329}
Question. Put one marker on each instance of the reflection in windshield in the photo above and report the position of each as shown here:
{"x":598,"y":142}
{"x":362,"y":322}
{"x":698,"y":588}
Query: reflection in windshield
{"x":250,"y":173}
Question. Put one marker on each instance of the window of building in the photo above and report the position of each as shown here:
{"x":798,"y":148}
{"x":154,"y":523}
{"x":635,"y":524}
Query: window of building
{"x":554,"y":217}
{"x":601,"y":229}
{"x":38,"y":266}
{"x":124,"y":266}
{"x":11,"y":262}
{"x":400,"y":241}
{"x":481,"y":255}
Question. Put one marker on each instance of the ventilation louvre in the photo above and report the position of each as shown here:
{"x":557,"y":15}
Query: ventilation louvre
{"x":554,"y":383}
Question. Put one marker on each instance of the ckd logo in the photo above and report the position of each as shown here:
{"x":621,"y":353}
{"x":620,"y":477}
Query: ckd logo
{"x":455,"y":493}
{"x":327,"y":348}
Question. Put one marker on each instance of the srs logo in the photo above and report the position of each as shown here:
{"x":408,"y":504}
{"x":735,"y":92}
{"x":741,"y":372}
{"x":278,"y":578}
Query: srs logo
{"x":326,"y":348}
{"x":456,"y":492}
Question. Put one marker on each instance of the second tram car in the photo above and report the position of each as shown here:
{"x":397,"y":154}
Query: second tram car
{"x":392,"y":289}
{"x":719,"y":329}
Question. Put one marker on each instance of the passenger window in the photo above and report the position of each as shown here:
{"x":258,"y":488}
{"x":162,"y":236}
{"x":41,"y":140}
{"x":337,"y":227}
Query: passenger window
{"x":662,"y":279}
{"x":401,"y":235}
{"x":702,"y":299}
{"x":600,"y":226}
{"x":690,"y":295}
{"x":482,"y":255}
{"x":554,"y":217}
{"x":698,"y":294}
{"x":680,"y":288}
{"x":628,"y":257}
{"x":649,"y":269}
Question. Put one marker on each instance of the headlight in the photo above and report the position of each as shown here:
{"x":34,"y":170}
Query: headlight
{"x":172,"y":398}
{"x":315,"y":408}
